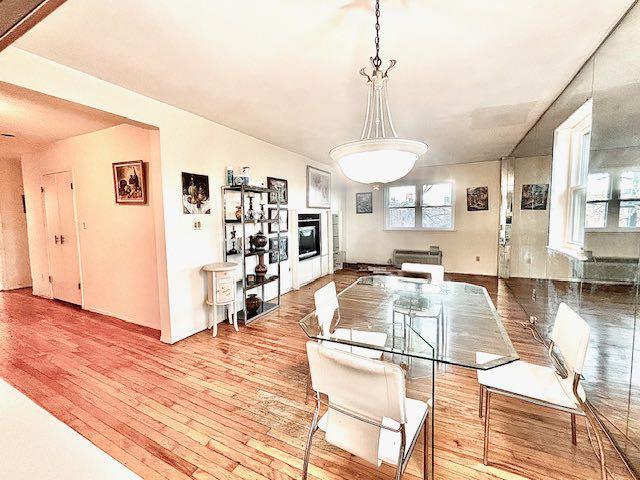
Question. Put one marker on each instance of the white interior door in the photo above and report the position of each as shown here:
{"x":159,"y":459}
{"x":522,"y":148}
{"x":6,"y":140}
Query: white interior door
{"x":62,"y":242}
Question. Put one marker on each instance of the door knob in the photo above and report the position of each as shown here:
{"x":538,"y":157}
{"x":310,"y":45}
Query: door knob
{"x":56,"y":238}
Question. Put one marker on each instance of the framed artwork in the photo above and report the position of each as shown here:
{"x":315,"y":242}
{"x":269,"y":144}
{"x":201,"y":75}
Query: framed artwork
{"x":195,"y":193}
{"x":129,"y":182}
{"x":364,"y":202}
{"x":477,"y":199}
{"x":534,"y":196}
{"x":283,"y":251}
{"x":283,"y":216}
{"x":318,"y":188}
{"x":282,"y":186}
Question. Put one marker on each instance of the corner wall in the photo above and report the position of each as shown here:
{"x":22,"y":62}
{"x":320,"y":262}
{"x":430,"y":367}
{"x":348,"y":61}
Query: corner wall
{"x":14,"y":251}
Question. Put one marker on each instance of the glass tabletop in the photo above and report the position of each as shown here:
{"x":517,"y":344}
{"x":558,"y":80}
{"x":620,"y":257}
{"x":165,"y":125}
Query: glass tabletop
{"x":453,"y":323}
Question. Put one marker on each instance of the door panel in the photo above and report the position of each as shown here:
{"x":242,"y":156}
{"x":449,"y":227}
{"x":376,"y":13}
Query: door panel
{"x":62,"y":244}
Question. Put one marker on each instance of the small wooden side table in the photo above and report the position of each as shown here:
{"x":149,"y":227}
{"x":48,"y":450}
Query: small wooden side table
{"x":221,"y":292}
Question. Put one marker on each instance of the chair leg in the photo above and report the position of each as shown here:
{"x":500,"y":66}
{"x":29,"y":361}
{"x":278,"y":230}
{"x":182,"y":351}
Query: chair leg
{"x":425,"y":453}
{"x":487,"y":406}
{"x":574,"y":433}
{"x":307,"y":450}
{"x":306,"y":390}
{"x":481,"y":398}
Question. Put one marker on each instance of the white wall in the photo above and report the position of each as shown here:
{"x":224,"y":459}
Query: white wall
{"x":187,"y":143}
{"x":14,"y":252}
{"x":117,"y":242}
{"x":475,"y":233}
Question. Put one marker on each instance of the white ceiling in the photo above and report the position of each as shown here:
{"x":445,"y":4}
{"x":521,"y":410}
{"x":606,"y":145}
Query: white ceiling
{"x":472,"y":76}
{"x":37,"y":120}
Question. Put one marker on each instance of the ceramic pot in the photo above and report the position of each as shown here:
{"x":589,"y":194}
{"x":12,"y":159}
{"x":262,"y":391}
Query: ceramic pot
{"x":259,"y":241}
{"x":253,"y":303}
{"x":261,"y":268}
{"x":239,"y":212}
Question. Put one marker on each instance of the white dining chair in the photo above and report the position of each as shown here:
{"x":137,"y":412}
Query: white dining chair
{"x":538,"y":384}
{"x":368,"y":413}
{"x":328,"y":311}
{"x":435,"y":272}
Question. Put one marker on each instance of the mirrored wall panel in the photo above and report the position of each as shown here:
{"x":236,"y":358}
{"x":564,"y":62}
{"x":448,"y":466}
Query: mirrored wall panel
{"x":572,"y":232}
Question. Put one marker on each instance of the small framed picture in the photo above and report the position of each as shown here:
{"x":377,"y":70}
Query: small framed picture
{"x":534,"y":196}
{"x":364,"y":202}
{"x":282,"y":186}
{"x":129,"y":182}
{"x":318,"y":188}
{"x":283,"y":251}
{"x":477,"y":199}
{"x":283,"y":216}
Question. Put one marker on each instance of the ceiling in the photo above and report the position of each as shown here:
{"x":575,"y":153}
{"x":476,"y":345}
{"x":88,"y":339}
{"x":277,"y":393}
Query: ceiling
{"x":472,"y":76}
{"x":37,"y":120}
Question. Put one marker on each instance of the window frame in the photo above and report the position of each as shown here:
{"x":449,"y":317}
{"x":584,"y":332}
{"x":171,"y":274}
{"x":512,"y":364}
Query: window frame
{"x":418,"y":207}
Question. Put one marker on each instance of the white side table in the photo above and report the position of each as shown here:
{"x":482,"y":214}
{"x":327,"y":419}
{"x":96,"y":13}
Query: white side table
{"x":221,"y":291}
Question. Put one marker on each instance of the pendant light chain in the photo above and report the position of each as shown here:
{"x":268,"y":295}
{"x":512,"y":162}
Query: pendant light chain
{"x":377,"y":61}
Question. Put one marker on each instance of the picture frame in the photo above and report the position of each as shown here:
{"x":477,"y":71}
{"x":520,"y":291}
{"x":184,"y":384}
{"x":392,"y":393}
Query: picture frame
{"x":129,"y":182}
{"x":196,"y":198}
{"x":272,"y":214}
{"x":283,"y":251}
{"x":477,"y":199}
{"x":364,"y":202}
{"x":318,"y":188}
{"x":283,"y":186}
{"x":534,"y":196}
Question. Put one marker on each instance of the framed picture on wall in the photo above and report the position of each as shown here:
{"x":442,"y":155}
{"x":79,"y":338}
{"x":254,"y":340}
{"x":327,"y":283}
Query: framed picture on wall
{"x":283,"y":216}
{"x":195,"y":193}
{"x":318,"y":188}
{"x":364,"y":202}
{"x":129,"y":182}
{"x":534,"y":196}
{"x":282,"y":186}
{"x":283,"y":251}
{"x":477,"y":199}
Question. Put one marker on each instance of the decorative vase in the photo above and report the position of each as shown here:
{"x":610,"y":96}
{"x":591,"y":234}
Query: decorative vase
{"x":239,"y":212}
{"x":253,"y":303}
{"x":259,"y":240}
{"x":261,"y":268}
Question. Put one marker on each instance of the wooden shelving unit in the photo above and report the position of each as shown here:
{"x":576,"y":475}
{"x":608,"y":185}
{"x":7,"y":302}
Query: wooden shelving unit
{"x":251,"y":227}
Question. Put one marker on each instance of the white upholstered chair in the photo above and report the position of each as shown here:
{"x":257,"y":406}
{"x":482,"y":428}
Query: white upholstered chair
{"x":539,"y":384}
{"x":436,"y":272}
{"x":368,"y":413}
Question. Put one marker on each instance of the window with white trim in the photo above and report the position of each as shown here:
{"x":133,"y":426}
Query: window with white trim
{"x":629,"y":210}
{"x":419,"y":207}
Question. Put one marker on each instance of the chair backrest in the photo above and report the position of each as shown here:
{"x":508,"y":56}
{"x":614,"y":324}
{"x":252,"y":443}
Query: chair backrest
{"x":435,"y":271}
{"x":571,"y":336}
{"x":326,"y":300}
{"x":367,"y":388}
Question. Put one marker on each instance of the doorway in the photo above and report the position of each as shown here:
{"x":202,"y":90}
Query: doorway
{"x":62,"y":240}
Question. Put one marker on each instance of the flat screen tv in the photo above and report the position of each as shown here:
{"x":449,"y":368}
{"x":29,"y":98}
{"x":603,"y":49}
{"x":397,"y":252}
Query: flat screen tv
{"x":307,"y":241}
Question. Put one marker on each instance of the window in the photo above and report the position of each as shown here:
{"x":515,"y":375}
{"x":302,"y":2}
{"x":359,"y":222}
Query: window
{"x":424,"y":207}
{"x":629,"y":213}
{"x":580,"y":145}
{"x":598,"y":197}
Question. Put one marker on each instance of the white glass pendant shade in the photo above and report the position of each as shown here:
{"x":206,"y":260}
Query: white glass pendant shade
{"x":380,"y":156}
{"x":379,"y":160}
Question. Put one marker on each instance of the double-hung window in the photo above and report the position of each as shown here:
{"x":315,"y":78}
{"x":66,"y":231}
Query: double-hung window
{"x":419,"y":207}
{"x":579,"y":177}
{"x":629,"y":213}
{"x":598,"y":198}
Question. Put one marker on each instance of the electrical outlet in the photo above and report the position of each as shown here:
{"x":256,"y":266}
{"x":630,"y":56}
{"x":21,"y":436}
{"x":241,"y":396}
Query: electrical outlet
{"x":477,"y":258}
{"x":197,"y":225}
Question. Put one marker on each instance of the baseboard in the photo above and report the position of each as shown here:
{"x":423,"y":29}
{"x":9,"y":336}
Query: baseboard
{"x":119,"y":317}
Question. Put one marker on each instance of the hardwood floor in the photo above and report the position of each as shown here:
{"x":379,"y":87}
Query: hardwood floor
{"x":233,"y":407}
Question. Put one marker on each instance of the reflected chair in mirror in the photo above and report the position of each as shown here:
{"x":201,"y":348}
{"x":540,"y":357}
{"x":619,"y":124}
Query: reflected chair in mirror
{"x":328,"y":316}
{"x":558,"y":388}
{"x":368,"y":413}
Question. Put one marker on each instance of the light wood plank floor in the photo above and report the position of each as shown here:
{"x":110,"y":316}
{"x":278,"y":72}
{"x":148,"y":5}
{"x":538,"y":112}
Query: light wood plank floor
{"x":234,"y":407}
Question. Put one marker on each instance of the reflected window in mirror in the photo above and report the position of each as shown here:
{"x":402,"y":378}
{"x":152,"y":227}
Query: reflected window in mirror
{"x":629,"y":216}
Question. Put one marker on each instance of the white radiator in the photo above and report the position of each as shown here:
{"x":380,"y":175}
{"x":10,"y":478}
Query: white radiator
{"x":416,"y":256}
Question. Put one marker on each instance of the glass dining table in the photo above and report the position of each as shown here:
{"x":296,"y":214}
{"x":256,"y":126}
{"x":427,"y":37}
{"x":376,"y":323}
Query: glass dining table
{"x":418,"y":325}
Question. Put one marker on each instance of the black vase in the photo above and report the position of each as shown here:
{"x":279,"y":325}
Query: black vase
{"x":259,"y":241}
{"x":253,"y":303}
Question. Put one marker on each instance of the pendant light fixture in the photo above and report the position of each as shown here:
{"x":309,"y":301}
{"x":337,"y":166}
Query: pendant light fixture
{"x":380,"y":156}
